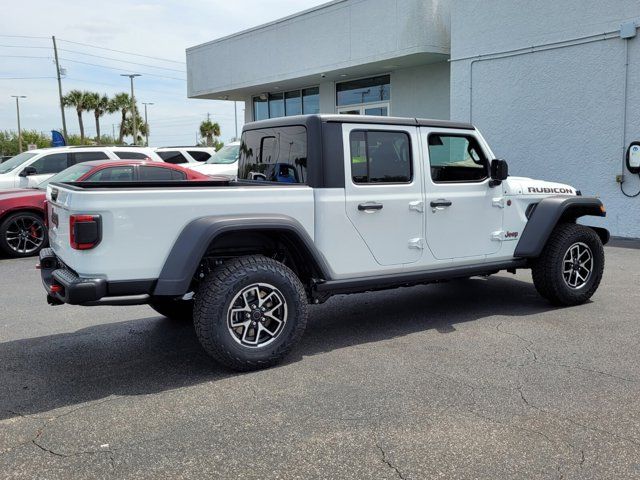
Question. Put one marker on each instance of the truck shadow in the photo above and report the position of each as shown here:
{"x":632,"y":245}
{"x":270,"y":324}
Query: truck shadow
{"x":154,"y":354}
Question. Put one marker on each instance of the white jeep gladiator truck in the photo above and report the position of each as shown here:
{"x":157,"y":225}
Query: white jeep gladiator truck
{"x":323,"y":205}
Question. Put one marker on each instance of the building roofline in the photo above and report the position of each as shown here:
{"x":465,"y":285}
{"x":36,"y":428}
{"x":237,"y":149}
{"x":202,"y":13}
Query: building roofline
{"x":268,"y":24}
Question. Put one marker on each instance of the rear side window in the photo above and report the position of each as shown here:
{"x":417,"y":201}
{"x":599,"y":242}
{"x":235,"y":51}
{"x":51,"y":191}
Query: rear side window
{"x":456,"y":158}
{"x":173,"y":157}
{"x":199,"y":156}
{"x":274,"y":155}
{"x":54,"y":163}
{"x":132,"y":155}
{"x":80,"y":157}
{"x":112,"y":174}
{"x":380,"y":157}
{"x":149,"y":174}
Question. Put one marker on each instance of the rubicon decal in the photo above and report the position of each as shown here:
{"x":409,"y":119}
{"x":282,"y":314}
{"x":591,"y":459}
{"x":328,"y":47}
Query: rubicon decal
{"x":569,"y":191}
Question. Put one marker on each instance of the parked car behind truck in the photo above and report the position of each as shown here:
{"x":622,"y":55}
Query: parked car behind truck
{"x":377,"y":203}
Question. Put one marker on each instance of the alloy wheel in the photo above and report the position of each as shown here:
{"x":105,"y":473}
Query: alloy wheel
{"x":577,"y":265}
{"x":25,"y":235}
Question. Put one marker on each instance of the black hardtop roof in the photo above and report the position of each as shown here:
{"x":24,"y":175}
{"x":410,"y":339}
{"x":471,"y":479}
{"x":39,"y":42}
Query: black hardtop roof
{"x":306,"y":120}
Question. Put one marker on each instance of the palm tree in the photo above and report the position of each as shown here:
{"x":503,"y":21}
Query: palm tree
{"x":120,"y":103}
{"x":79,"y":100}
{"x":209,"y":129}
{"x":100,"y":105}
{"x":142,"y":128}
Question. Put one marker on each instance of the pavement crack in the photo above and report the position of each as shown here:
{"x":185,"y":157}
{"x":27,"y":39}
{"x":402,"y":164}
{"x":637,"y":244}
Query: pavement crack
{"x":528,"y":343}
{"x":388,"y":462}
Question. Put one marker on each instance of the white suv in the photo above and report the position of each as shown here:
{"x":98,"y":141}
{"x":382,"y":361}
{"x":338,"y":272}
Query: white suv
{"x":224,"y":162}
{"x":28,"y":169}
{"x":184,"y":155}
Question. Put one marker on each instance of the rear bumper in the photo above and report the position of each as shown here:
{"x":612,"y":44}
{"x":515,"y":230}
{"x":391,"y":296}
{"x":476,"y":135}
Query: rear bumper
{"x":63,"y":285}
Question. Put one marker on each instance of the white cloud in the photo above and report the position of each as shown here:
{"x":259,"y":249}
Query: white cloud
{"x":161,"y":29}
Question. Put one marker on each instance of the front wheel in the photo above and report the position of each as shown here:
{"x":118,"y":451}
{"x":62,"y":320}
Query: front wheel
{"x":23,"y":234}
{"x":569,"y":270}
{"x":250,"y":312}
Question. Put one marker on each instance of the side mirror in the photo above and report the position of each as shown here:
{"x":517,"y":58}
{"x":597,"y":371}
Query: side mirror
{"x":499,"y":172}
{"x":28,"y":171}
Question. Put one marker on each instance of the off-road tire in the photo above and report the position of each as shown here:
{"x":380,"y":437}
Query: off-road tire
{"x":214,"y":302}
{"x":547,"y":270}
{"x":178,"y":310}
{"x":4,"y":226}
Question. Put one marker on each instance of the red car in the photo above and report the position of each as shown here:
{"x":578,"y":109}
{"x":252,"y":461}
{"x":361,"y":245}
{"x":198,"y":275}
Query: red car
{"x":22,"y":229}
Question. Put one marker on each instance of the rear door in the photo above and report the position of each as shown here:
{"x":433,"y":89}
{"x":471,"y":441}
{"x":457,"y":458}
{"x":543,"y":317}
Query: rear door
{"x":463,"y":213}
{"x":45,"y":166}
{"x":384,"y":190}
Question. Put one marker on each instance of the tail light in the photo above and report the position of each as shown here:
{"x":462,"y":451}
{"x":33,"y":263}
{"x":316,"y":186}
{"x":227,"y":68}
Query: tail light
{"x":85,"y":231}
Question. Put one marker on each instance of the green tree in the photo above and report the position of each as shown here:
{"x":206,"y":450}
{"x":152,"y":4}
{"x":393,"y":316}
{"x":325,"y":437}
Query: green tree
{"x":208,"y":130}
{"x":9,"y":140}
{"x":80,"y":101}
{"x":128,"y":128}
{"x":100,"y":105}
{"x":120,"y":103}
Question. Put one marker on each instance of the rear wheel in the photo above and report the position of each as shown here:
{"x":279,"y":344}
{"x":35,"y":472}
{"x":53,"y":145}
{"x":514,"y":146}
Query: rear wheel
{"x":175,"y":309}
{"x":250,"y":312}
{"x":569,"y":270}
{"x":23,"y":234}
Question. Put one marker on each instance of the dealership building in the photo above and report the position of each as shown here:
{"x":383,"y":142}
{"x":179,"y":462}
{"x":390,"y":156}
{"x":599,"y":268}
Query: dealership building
{"x":553,"y":86}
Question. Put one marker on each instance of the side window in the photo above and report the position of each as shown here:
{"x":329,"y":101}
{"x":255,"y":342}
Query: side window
{"x":54,"y":163}
{"x":199,"y":156}
{"x":132,"y":155}
{"x":173,"y":157}
{"x":112,"y":174}
{"x":456,"y":158}
{"x":81,"y":157}
{"x":157,"y":174}
{"x":274,"y":155}
{"x":380,"y":157}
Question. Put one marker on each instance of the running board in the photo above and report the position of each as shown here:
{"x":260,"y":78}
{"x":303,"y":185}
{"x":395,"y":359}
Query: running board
{"x":381,"y":282}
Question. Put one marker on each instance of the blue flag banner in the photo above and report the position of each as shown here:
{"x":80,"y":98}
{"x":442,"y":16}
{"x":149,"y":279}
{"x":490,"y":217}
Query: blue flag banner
{"x":57,"y":139}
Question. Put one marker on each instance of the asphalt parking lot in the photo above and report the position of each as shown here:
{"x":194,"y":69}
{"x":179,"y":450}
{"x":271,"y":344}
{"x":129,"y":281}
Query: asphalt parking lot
{"x":471,"y":379}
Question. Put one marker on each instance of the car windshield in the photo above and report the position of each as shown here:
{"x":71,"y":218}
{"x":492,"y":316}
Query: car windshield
{"x":71,"y":174}
{"x":16,"y":161}
{"x":226,"y":155}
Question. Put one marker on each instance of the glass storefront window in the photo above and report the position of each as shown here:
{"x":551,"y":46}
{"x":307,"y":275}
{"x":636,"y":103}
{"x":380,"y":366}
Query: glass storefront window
{"x":311,"y":100}
{"x":292,"y":103}
{"x":260,"y":108}
{"x":366,"y":90}
{"x":276,"y":105}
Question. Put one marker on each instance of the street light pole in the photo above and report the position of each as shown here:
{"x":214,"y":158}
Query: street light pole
{"x":133,"y":106}
{"x":18,"y":97}
{"x":235,"y":116}
{"x":146,"y":122}
{"x":64,"y":120}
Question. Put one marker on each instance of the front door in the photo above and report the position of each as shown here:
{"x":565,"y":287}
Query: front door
{"x":384,"y":192}
{"x":463,"y":213}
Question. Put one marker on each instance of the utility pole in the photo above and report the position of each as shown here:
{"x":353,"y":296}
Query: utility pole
{"x":64,"y":120}
{"x":235,"y":115}
{"x":146,"y":123}
{"x":133,"y":106}
{"x":18,"y":97}
{"x":113,"y":132}
{"x":208,"y":117}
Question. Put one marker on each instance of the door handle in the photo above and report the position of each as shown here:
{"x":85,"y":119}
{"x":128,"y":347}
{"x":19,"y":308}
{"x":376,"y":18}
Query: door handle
{"x":441,"y":203}
{"x":369,"y":207}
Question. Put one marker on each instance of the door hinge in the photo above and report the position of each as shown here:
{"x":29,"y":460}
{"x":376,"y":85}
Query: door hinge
{"x":416,"y":243}
{"x":417,"y":205}
{"x":498,"y":202}
{"x":497,"y":236}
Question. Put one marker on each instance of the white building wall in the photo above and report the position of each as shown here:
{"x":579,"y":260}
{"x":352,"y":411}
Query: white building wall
{"x":421,"y":91}
{"x":554,"y":111}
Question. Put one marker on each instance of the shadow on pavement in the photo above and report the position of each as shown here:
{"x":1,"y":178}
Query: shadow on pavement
{"x":154,"y":354}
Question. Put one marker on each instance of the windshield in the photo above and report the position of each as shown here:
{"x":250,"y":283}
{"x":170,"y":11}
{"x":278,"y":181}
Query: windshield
{"x":226,"y":155}
{"x":71,"y":174}
{"x":16,"y":161}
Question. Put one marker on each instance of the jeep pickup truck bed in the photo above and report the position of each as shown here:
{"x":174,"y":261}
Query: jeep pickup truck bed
{"x":323,"y":205}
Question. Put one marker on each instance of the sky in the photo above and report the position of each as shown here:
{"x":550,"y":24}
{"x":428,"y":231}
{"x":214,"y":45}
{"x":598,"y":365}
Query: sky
{"x":161,"y":29}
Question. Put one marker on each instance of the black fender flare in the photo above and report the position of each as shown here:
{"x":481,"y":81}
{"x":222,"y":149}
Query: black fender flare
{"x":546,"y":215}
{"x":192,"y":243}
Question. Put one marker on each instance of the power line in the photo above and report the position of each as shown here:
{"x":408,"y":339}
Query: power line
{"x":122,"y":70}
{"x":24,"y":78}
{"x":22,"y":36}
{"x":122,"y":51}
{"x":22,"y":56}
{"x":23,"y":46}
{"x":118,"y":60}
